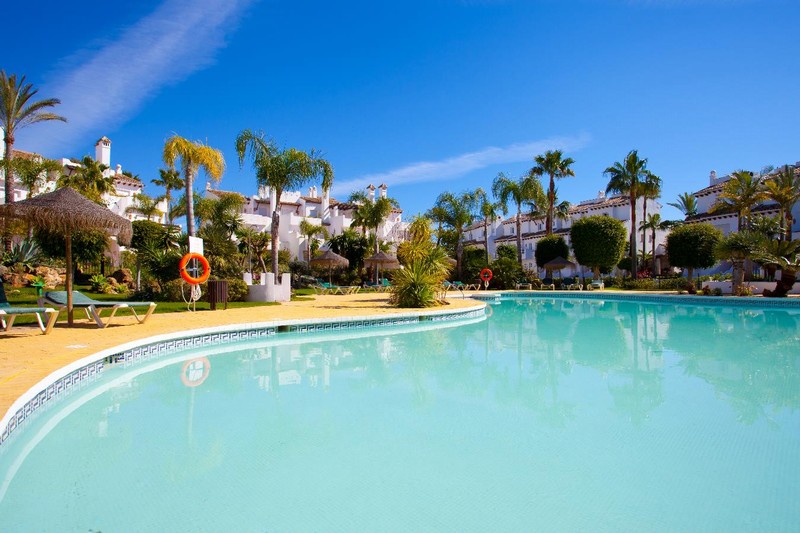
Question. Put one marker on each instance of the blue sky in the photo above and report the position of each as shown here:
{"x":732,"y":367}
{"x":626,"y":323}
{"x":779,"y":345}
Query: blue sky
{"x":427,"y":96}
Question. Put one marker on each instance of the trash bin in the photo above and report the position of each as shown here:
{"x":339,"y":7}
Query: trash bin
{"x":218,"y":293}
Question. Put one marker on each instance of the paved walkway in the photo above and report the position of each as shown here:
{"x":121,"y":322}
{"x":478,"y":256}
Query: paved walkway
{"x":27,"y":356}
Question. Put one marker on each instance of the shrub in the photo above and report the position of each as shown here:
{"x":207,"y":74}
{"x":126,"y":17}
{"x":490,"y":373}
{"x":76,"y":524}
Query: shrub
{"x":598,"y":242}
{"x":98,"y":283}
{"x":505,"y":273}
{"x":692,"y":246}
{"x":550,"y":247}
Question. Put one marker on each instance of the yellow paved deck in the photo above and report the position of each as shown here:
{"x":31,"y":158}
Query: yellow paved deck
{"x":27,"y":356}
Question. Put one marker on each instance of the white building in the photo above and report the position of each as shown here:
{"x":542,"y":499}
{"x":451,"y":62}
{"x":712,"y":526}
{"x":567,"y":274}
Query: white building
{"x":729,"y":222}
{"x":533,"y":229}
{"x":316,"y":208}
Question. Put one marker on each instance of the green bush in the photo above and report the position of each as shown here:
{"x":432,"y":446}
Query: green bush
{"x":505,"y":273}
{"x":598,"y":241}
{"x":692,"y":246}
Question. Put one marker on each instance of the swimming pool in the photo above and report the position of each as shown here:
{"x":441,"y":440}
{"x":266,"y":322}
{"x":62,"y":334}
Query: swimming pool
{"x":550,"y":414}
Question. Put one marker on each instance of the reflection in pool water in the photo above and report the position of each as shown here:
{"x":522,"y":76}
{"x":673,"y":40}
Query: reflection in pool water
{"x":549,"y":415}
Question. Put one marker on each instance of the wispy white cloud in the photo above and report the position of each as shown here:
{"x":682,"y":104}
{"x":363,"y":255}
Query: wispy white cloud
{"x":460,"y":165}
{"x":111,"y":83}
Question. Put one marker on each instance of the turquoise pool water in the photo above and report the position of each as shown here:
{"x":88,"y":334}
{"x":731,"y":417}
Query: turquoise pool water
{"x":549,"y":415}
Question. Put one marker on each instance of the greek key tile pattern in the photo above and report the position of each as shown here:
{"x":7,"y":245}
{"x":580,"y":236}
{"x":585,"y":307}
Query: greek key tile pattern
{"x":353,"y":324}
{"x":717,"y":301}
{"x":89,"y":373}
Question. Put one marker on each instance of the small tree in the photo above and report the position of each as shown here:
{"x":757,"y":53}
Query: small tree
{"x":598,"y":242}
{"x":692,"y":246}
{"x":738,"y":248}
{"x":550,"y":247}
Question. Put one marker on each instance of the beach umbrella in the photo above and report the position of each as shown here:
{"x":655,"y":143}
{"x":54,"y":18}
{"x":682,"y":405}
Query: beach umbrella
{"x":382,"y":259}
{"x":66,"y":211}
{"x":558,"y":263}
{"x":330,"y":259}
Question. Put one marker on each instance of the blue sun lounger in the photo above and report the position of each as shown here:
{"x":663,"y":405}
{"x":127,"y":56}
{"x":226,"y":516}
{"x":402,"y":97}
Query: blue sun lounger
{"x":8,"y":313}
{"x":94,"y":307}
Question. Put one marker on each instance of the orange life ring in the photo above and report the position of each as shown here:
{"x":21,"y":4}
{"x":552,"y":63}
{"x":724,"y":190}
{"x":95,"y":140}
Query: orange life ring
{"x":486,"y":274}
{"x":186,"y":276}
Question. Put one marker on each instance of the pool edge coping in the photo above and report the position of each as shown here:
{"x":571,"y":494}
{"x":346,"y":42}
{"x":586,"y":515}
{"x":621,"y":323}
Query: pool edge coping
{"x":17,"y":412}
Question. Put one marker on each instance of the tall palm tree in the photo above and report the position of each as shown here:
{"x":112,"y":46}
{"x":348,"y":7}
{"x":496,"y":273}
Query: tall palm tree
{"x":89,"y":179}
{"x":555,"y":166}
{"x":628,"y":177}
{"x":784,"y":189}
{"x":459,"y":213}
{"x":526,"y":190}
{"x":686,"y":204}
{"x":740,"y":194}
{"x":489,"y":211}
{"x":145,"y":206}
{"x":437,"y":214}
{"x":171,"y":181}
{"x":309,"y":231}
{"x":650,"y":191}
{"x":654,"y":223}
{"x":287,"y":169}
{"x":193,"y":156}
{"x":17,"y":111}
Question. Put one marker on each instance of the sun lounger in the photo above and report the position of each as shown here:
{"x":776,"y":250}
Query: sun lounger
{"x":596,"y":285}
{"x":572,"y":284}
{"x":547,"y":284}
{"x":94,"y":307}
{"x":8,"y":313}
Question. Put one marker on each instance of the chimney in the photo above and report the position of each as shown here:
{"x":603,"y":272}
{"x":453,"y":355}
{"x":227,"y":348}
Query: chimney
{"x":102,"y":151}
{"x":119,"y":169}
{"x":712,"y":178}
{"x":371,"y":193}
{"x":383,"y":188}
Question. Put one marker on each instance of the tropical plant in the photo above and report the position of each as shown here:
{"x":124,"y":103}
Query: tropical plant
{"x":145,"y":206}
{"x":784,"y":256}
{"x":425,"y":268}
{"x":555,"y":166}
{"x":98,"y":283}
{"x":281,"y":170}
{"x":769,"y":227}
{"x":651,"y":190}
{"x":32,"y":172}
{"x":527,"y":190}
{"x":598,"y":242}
{"x":18,"y":110}
{"x":351,"y":245}
{"x":459,"y":212}
{"x":89,"y":179}
{"x":310,"y":230}
{"x":171,"y":181}
{"x":740,"y":194}
{"x":437,"y":215}
{"x":489,"y":210}
{"x":372,"y":213}
{"x":25,"y":252}
{"x":193,"y":156}
{"x":550,"y":247}
{"x":654,"y":223}
{"x":686,"y":204}
{"x":784,"y":190}
{"x":737,"y":248}
{"x":629,"y":177}
{"x":692,"y":246}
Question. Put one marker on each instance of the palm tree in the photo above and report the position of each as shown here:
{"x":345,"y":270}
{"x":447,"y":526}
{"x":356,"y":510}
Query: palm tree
{"x":372,"y":213}
{"x":738,"y":248}
{"x":686,"y":204}
{"x":784,"y":189}
{"x":89,"y":179}
{"x":785,"y":256}
{"x":32,"y":173}
{"x":629,"y":178}
{"x":17,"y":111}
{"x":650,"y":191}
{"x":654,"y":223}
{"x":740,"y":194}
{"x":171,"y":181}
{"x":223,"y":213}
{"x":459,"y":213}
{"x":489,"y":211}
{"x":437,"y":214}
{"x":193,"y":155}
{"x":309,"y":231}
{"x":552,"y":164}
{"x":145,"y":206}
{"x":526,"y":190}
{"x":281,"y":170}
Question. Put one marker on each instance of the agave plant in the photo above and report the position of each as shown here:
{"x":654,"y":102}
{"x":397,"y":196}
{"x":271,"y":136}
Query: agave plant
{"x":25,"y":253}
{"x":785,"y":256}
{"x":425,"y":268}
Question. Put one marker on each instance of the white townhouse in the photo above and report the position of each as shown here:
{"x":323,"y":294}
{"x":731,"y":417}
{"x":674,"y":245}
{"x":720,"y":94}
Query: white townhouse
{"x":316,"y":207}
{"x":728,"y":222}
{"x":533,"y":229}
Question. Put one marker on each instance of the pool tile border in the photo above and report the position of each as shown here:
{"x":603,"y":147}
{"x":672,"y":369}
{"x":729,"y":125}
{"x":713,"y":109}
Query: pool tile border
{"x":88,"y":369}
{"x":716,"y":301}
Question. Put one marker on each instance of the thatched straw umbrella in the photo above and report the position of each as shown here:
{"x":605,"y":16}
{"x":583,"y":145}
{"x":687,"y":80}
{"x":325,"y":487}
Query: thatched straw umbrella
{"x":382,"y":259}
{"x":330,"y":259}
{"x":66,"y":211}
{"x":558,"y":263}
